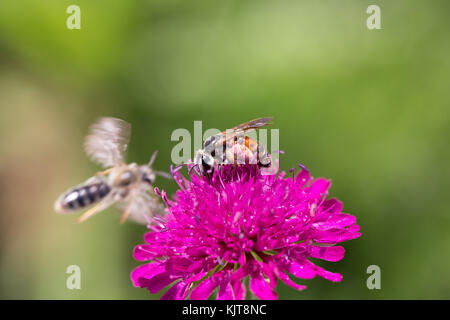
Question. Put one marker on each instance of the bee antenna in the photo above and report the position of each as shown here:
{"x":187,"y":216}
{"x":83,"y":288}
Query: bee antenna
{"x":164,"y":174}
{"x":190,"y":170}
{"x":152,"y":158}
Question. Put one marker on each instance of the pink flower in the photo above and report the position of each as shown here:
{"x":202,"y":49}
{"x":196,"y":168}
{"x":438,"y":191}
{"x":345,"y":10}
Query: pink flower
{"x":238,"y":224}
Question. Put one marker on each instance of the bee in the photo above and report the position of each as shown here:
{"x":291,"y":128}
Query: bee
{"x":232,"y":147}
{"x":128,"y":186}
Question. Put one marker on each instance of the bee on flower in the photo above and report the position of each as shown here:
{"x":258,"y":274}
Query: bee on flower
{"x":238,"y":224}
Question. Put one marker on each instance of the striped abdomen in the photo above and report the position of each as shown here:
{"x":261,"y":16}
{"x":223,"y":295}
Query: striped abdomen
{"x":84,"y":196}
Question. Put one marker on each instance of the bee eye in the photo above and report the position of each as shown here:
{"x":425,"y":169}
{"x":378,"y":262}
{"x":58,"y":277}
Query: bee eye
{"x":148,"y":178}
{"x":205,"y":163}
{"x":125,"y":178}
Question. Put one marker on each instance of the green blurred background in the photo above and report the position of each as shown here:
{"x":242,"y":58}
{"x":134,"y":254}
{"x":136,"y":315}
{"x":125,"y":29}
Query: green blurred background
{"x":367,"y":109}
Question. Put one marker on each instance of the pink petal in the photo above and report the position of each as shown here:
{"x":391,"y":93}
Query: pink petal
{"x":302,"y":178}
{"x":197,"y":277}
{"x":331,"y":276}
{"x":239,"y":290}
{"x":177,"y":292}
{"x":145,"y":272}
{"x":144,"y":252}
{"x":301,"y":270}
{"x":204,"y":289}
{"x":332,"y":206}
{"x":284,"y":277}
{"x":155,"y":237}
{"x":159,"y":281}
{"x":319,"y":188}
{"x":334,"y":253}
{"x":196,"y":251}
{"x":239,"y":274}
{"x":178,"y":265}
{"x":261,"y":288}
{"x":333,"y":220}
{"x":335,"y":235}
{"x":268,"y":269}
{"x":225,"y":292}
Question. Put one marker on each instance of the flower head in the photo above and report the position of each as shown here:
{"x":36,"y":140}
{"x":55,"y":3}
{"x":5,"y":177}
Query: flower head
{"x":239,"y":223}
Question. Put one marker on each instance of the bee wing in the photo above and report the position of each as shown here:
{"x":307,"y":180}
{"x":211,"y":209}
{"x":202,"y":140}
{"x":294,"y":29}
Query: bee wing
{"x":107,"y":141}
{"x":247,"y":126}
{"x":252,"y":124}
{"x":143,"y":205}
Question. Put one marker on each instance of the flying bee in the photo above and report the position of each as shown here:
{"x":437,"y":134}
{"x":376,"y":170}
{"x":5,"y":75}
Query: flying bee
{"x":128,"y":186}
{"x":232,"y":147}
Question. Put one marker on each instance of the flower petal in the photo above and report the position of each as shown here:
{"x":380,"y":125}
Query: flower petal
{"x":333,"y":220}
{"x":261,"y":288}
{"x":156,"y":283}
{"x":239,"y":290}
{"x":204,"y":289}
{"x":285,"y":278}
{"x":332,"y":206}
{"x":145,"y":272}
{"x":334,"y":253}
{"x":301,"y":270}
{"x":144,"y":252}
{"x":177,"y":292}
{"x":331,"y":276}
{"x":302,"y":178}
{"x":319,"y":188}
{"x":335,"y":235}
{"x":225,"y":292}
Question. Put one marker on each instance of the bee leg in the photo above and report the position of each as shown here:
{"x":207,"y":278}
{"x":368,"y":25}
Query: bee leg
{"x":125,"y":214}
{"x":104,"y":173}
{"x":132,"y":195}
{"x":94,"y":210}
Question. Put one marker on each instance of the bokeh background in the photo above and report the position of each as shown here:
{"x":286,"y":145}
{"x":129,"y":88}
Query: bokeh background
{"x":367,"y":109}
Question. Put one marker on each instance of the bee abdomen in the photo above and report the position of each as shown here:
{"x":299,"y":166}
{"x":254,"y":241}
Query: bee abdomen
{"x":84,"y":196}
